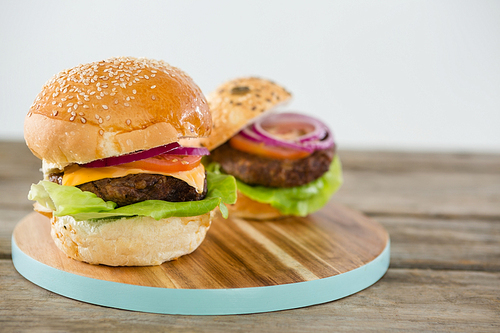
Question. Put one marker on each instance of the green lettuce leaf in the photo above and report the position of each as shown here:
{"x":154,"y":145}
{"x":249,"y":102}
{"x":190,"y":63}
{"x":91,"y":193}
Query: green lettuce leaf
{"x":301,"y":200}
{"x":70,"y":200}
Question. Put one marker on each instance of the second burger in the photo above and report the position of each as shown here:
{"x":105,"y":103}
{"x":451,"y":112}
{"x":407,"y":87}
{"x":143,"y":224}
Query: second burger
{"x":284,"y":163}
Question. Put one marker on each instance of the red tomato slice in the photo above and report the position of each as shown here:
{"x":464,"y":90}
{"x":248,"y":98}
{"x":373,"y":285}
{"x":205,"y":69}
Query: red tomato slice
{"x":259,"y":148}
{"x":166,"y":163}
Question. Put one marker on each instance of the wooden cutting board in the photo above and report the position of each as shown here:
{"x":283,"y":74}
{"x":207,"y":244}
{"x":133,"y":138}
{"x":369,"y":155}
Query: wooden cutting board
{"x":241,"y":267}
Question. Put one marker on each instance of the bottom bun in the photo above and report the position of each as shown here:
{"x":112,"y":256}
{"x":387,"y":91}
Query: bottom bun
{"x":138,"y":241}
{"x":250,"y":209}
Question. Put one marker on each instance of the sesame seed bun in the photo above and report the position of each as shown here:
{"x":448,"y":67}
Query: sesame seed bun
{"x":114,"y":107}
{"x":235,"y":103}
{"x":139,"y":241}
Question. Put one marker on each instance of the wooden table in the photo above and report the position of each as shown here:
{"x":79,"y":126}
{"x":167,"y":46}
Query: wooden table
{"x":441,"y":210}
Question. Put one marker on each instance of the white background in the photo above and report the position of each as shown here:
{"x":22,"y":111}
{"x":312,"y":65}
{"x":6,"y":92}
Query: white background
{"x":404,"y":75}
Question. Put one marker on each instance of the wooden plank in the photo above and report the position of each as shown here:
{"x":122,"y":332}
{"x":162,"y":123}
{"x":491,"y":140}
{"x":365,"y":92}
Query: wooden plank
{"x":394,"y":161}
{"x":8,"y":220}
{"x":434,"y":194}
{"x":443,"y":244}
{"x":436,"y":184}
{"x":405,"y":299}
{"x":17,"y":161}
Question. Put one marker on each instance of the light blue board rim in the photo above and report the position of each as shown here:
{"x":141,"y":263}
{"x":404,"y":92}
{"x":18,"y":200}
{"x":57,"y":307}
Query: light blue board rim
{"x":200,"y":301}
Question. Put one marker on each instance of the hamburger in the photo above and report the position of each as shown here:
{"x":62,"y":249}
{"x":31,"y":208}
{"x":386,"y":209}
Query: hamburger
{"x":122,"y":180}
{"x":284,"y":163}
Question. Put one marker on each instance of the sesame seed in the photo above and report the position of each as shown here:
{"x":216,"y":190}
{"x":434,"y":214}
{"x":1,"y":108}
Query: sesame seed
{"x":92,"y":92}
{"x":126,"y":104}
{"x":98,"y":97}
{"x":116,"y":101}
{"x":75,"y":106}
{"x":54,"y":102}
{"x":71,"y":118}
{"x":105,"y":107}
{"x":153,"y":97}
{"x":63,"y":99}
{"x":86,"y":106}
{"x":70,"y":110}
{"x":147,"y":77}
{"x":101,"y":132}
{"x":54,"y":113}
{"x":69,"y":104}
{"x":81,"y":113}
{"x":108,"y":117}
{"x":134,"y":91}
{"x":83,"y":120}
{"x":128,"y":122}
{"x":153,"y":86}
{"x":97,"y":117}
{"x":100,"y":121}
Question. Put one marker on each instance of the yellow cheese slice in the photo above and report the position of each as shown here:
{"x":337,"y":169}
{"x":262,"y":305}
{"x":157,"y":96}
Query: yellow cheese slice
{"x":75,"y":175}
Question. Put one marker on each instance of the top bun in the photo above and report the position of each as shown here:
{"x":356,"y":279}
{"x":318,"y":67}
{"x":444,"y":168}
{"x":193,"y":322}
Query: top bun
{"x":235,"y":103}
{"x":114,"y":107}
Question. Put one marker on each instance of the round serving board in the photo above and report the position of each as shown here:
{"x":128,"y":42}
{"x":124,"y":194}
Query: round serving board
{"x":241,"y":267}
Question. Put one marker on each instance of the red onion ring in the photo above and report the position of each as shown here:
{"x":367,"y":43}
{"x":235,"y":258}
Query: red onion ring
{"x":319,"y":132}
{"x":319,"y":138}
{"x":252,"y":135}
{"x":271,"y":140}
{"x":173,"y":148}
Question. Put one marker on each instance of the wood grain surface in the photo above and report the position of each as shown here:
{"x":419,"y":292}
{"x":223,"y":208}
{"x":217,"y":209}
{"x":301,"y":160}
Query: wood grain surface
{"x":441,"y":210}
{"x":236,"y":253}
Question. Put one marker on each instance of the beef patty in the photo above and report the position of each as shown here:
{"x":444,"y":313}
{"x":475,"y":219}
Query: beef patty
{"x":257,"y":170}
{"x":140,"y":187}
